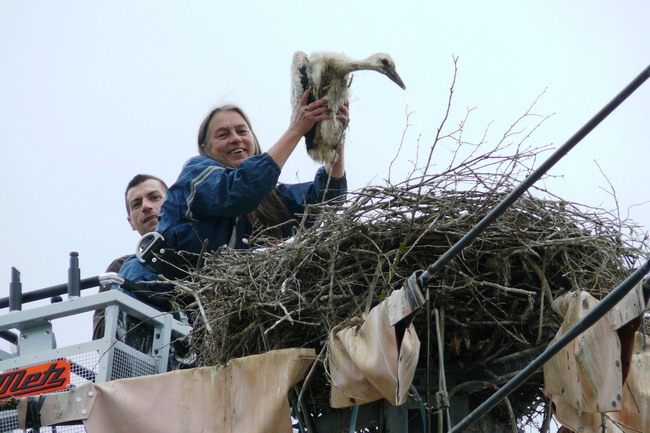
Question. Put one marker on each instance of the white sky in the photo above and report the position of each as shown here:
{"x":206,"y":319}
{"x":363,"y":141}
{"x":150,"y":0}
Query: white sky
{"x":92,"y":93}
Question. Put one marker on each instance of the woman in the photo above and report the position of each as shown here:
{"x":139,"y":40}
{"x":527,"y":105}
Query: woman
{"x":231,"y":188}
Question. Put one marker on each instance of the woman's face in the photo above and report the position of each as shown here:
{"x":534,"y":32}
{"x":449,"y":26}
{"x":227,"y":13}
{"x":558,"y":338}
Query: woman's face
{"x":229,"y":138}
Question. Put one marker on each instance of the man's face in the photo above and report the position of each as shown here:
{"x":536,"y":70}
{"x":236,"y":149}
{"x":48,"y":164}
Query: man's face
{"x":145,"y":200}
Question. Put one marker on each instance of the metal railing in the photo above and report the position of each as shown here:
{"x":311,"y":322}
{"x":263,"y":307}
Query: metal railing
{"x":107,"y":358}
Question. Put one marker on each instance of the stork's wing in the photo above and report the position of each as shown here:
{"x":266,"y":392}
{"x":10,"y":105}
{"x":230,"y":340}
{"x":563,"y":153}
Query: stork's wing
{"x":300,"y":77}
{"x":301,"y":81}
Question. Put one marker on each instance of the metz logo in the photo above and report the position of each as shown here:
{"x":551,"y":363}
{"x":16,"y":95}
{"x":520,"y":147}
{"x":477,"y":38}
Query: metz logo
{"x":37,"y":379}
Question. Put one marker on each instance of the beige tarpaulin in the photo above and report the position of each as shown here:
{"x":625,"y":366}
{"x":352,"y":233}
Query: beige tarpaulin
{"x":634,"y":405}
{"x":248,"y":395}
{"x":587,"y":372}
{"x":376,"y":359}
{"x":586,"y":381}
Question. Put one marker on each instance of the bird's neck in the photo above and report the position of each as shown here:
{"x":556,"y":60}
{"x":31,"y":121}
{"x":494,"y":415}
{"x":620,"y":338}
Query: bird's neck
{"x":360,"y":65}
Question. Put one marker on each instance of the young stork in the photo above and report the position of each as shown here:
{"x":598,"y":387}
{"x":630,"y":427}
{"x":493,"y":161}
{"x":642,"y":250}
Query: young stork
{"x":328,"y":74}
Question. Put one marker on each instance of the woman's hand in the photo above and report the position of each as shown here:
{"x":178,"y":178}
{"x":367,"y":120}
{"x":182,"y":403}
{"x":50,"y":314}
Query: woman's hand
{"x":305,"y":116}
{"x":343,"y":114}
{"x":338,"y":169}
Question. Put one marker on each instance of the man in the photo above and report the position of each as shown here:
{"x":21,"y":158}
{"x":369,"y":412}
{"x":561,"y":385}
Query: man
{"x":144,"y":197}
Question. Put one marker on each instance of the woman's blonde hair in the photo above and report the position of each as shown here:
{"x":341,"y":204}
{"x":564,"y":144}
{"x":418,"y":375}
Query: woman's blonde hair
{"x":268,"y":214}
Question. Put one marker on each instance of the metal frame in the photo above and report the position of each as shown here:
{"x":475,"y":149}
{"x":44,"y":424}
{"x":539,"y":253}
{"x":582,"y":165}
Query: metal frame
{"x":36,"y":341}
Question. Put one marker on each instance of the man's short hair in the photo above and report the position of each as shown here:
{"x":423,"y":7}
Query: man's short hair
{"x":137,"y":180}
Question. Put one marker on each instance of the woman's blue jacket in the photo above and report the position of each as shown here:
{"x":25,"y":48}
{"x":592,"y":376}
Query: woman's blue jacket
{"x":209,"y":201}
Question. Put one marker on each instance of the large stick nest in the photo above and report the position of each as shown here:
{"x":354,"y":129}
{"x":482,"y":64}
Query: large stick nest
{"x":493,"y":300}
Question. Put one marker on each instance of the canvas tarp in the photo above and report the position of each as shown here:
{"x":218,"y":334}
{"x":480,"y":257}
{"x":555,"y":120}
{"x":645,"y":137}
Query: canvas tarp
{"x":633,"y":415}
{"x":586,"y":382}
{"x":376,"y":358}
{"x":248,"y":395}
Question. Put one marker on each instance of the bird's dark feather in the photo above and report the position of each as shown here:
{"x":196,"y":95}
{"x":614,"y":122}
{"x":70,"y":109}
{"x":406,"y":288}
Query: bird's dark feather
{"x":304,"y":82}
{"x":304,"y":79}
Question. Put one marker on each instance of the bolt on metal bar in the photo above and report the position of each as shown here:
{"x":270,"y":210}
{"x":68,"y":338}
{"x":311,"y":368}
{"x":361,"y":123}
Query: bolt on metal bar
{"x":532,"y":178}
{"x":599,"y":310}
{"x":15,"y":291}
{"x":74,"y":273}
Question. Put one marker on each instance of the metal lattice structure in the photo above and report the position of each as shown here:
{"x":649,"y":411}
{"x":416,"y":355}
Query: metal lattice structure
{"x":105,"y":359}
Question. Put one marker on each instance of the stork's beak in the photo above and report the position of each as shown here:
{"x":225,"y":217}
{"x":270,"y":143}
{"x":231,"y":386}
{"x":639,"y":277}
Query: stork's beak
{"x":394,"y":77}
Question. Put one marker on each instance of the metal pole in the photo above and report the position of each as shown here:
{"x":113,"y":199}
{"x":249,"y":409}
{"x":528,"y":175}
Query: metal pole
{"x":60,"y":289}
{"x":15,"y":291}
{"x":48,"y":292}
{"x":602,"y":308}
{"x":532,"y":178}
{"x":74,"y":279}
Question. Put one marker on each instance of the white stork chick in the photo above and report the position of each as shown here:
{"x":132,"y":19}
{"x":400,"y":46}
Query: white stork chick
{"x":328,"y":74}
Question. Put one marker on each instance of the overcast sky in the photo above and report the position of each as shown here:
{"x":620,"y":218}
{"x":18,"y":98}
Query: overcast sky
{"x":92,"y":93}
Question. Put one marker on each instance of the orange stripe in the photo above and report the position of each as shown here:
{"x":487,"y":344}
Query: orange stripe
{"x":37,"y":379}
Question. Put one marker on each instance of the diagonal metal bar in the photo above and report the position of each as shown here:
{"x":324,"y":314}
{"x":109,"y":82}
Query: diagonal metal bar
{"x":602,"y":308}
{"x":532,"y":178}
